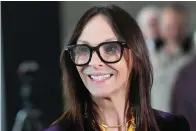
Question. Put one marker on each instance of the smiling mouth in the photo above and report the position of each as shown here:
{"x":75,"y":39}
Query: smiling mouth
{"x":100,"y":77}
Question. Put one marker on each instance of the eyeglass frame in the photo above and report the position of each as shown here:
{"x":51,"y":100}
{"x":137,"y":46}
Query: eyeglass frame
{"x":122,"y":44}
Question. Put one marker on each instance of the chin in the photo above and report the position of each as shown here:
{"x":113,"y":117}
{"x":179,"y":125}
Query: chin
{"x":100,"y":94}
{"x":104,"y":93}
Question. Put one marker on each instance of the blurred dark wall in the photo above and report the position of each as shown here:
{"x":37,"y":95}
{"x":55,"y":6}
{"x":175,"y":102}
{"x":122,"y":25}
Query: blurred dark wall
{"x":31,"y":31}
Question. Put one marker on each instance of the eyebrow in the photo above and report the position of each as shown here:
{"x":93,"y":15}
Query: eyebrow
{"x":107,"y":40}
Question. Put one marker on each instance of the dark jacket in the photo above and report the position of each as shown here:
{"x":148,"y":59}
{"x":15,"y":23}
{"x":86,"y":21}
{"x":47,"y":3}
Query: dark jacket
{"x":166,"y":122}
{"x":184,"y":94}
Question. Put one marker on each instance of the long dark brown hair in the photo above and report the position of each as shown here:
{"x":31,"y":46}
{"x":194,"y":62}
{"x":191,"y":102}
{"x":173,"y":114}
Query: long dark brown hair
{"x":81,"y":110}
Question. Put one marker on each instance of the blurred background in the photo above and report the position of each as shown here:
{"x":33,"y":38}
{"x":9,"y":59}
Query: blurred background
{"x":34,"y":33}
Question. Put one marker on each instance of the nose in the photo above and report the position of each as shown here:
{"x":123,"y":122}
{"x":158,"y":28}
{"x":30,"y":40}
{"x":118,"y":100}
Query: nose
{"x":95,"y":61}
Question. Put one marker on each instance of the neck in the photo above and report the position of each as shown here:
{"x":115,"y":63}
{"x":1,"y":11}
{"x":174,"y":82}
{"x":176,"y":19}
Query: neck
{"x":113,"y":110}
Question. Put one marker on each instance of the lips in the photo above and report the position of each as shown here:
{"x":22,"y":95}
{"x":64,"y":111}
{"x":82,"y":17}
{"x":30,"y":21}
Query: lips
{"x":100,"y":77}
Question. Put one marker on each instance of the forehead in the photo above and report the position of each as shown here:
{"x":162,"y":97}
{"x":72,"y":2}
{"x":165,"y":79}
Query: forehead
{"x":97,"y":30}
{"x":172,"y":16}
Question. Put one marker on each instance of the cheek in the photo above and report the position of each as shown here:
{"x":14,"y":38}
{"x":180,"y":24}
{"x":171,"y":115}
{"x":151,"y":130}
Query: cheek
{"x":79,"y":69}
{"x":80,"y":72}
{"x":128,"y":59}
{"x":126,"y":70}
{"x":122,"y":75}
{"x":123,"y":69}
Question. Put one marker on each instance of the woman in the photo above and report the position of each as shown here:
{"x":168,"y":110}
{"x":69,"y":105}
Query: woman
{"x":107,"y":77}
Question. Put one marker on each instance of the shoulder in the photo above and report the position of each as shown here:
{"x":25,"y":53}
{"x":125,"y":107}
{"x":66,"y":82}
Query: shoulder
{"x":170,"y":122}
{"x":63,"y":123}
{"x":55,"y":127}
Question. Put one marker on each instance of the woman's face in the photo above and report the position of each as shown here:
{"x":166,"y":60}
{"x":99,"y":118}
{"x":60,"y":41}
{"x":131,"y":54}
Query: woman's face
{"x":101,"y":79}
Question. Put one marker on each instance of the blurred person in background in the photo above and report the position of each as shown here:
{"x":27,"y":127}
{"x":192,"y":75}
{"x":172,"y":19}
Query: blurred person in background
{"x":173,"y":50}
{"x":148,"y":20}
{"x":28,"y":118}
{"x":194,"y":38}
{"x":107,"y":77}
{"x":184,"y":92}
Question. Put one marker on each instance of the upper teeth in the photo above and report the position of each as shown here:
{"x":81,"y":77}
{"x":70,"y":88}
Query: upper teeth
{"x":100,"y":77}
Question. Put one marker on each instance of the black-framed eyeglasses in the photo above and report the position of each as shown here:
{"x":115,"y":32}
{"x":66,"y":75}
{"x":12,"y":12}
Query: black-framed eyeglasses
{"x":108,"y":52}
